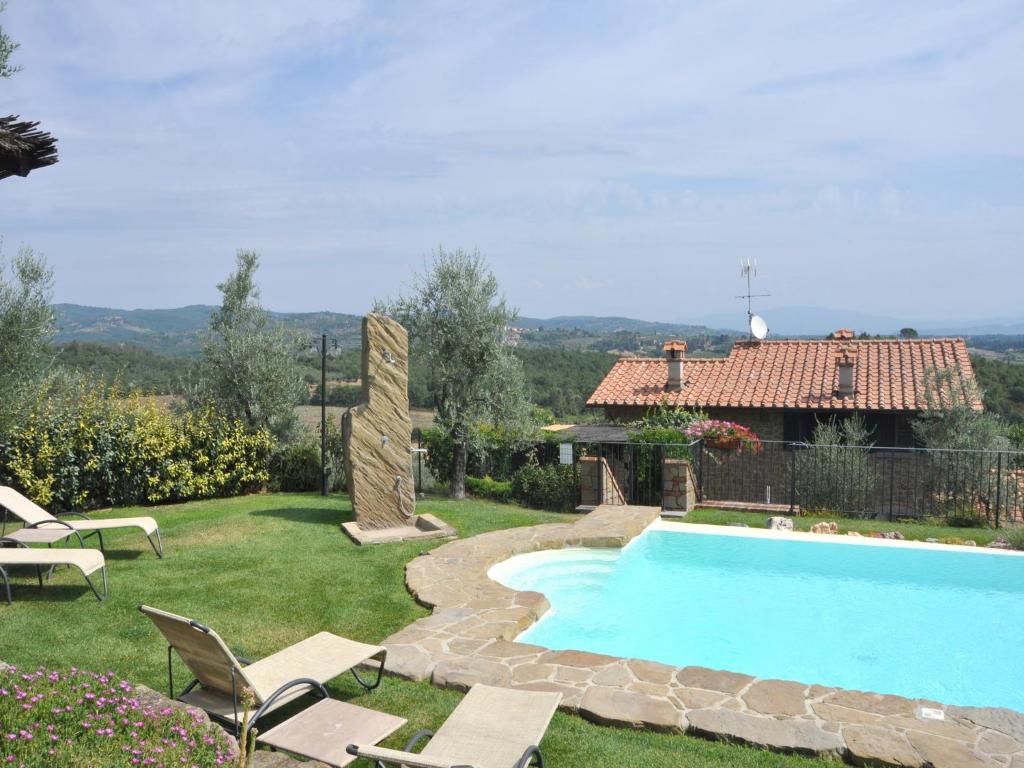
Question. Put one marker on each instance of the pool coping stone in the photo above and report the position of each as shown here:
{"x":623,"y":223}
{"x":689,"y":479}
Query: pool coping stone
{"x":469,"y":638}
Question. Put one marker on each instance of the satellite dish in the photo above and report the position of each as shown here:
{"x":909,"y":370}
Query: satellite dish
{"x":758,"y":327}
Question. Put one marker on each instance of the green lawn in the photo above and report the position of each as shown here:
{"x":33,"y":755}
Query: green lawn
{"x":267,"y":571}
{"x":911,"y":530}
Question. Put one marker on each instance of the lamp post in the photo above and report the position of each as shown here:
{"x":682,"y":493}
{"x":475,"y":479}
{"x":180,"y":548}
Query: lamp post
{"x":323,"y":414}
{"x":323,"y":408}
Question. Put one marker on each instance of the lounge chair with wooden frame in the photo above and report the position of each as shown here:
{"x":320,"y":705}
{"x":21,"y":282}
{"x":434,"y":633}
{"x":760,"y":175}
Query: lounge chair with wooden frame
{"x":491,"y":728}
{"x":220,"y":676}
{"x":88,"y":561}
{"x":43,"y":528}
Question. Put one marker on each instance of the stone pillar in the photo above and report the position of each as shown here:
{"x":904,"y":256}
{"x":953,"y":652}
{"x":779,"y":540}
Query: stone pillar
{"x":598,"y":484}
{"x":678,"y":489}
{"x":377,"y":432}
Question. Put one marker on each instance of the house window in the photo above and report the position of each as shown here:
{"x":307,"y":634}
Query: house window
{"x":890,"y":430}
{"x":798,"y":426}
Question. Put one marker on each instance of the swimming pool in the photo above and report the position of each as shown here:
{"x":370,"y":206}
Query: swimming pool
{"x":912,"y":621}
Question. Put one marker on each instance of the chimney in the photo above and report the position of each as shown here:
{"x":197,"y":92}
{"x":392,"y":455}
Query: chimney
{"x":843,"y":334}
{"x":675,"y":352}
{"x":846,"y":357}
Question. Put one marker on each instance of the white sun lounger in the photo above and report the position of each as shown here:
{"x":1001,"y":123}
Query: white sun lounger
{"x":43,"y":528}
{"x":282,"y":677}
{"x":88,"y":561}
{"x":491,"y":728}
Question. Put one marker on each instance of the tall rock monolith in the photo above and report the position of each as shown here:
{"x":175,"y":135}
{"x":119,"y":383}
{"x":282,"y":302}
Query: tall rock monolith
{"x":378,"y":437}
{"x":377,"y":430}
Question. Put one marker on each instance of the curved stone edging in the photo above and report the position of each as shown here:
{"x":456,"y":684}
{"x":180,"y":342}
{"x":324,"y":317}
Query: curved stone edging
{"x":469,"y":636}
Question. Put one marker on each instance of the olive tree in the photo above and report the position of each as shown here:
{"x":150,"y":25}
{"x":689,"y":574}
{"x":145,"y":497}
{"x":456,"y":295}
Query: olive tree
{"x":457,"y":322}
{"x":834,"y":471}
{"x":249,"y":368}
{"x":952,"y":417}
{"x":965,"y":478}
{"x":26,"y":327}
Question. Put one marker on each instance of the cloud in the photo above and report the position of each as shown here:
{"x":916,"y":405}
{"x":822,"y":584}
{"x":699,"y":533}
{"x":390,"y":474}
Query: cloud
{"x":645,"y":147}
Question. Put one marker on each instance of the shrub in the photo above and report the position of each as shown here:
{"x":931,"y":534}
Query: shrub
{"x":667,"y":417}
{"x":441,"y":454}
{"x":966,"y":520}
{"x":551,"y":486}
{"x":835,"y":472}
{"x":80,"y":446}
{"x":494,"y":451}
{"x":296,"y":467}
{"x":1014,"y":536}
{"x":488,"y":488}
{"x":63,"y":719}
{"x":1015,"y":434}
{"x":655,"y":444}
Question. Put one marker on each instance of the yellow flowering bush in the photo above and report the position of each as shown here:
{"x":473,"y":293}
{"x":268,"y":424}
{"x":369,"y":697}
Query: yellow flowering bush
{"x":81,"y":446}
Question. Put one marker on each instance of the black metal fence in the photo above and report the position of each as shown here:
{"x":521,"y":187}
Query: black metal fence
{"x":957,"y":486}
{"x":637,"y":467}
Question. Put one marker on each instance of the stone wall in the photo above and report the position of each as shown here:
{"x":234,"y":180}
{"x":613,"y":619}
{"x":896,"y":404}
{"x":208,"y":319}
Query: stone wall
{"x":601,"y":481}
{"x":678,"y":490}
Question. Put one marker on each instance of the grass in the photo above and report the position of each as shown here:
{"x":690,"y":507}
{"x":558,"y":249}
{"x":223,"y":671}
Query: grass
{"x":917,"y":531}
{"x":267,"y":571}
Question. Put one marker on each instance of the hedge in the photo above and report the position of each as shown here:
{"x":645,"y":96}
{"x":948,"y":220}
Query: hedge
{"x":78,"y":447}
{"x":548,"y":486}
{"x":488,"y":488}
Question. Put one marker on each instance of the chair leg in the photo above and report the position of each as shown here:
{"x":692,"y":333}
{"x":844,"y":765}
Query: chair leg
{"x":7,"y":583}
{"x":380,"y":674}
{"x":106,"y":586}
{"x":158,"y":545}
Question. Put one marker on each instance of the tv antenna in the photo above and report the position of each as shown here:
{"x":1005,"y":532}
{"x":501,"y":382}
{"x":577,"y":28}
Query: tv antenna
{"x":757,"y":324}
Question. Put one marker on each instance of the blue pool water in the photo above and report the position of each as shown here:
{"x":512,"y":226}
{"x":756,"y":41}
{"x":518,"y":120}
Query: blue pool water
{"x":940,"y":625}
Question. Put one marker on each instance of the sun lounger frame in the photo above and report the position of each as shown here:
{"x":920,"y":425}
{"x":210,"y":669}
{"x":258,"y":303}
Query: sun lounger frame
{"x":39,"y":574}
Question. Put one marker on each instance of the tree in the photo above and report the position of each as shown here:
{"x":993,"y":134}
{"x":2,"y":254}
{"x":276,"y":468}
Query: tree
{"x":7,"y":47}
{"x":909,"y":333}
{"x":951,"y":420}
{"x":964,"y":485}
{"x":26,"y":327}
{"x":457,"y":321}
{"x":249,"y":369}
{"x":834,"y":472}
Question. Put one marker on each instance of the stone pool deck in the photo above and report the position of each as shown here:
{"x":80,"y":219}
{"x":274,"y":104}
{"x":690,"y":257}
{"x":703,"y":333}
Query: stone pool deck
{"x":469,"y":636}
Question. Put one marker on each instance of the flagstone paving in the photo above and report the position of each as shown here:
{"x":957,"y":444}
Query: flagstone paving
{"x":470,"y":638}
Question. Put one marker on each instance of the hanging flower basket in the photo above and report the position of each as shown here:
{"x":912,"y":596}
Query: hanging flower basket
{"x":725,"y":436}
{"x":723,"y":443}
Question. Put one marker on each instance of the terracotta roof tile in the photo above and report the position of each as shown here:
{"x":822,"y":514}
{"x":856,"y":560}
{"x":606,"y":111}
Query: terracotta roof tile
{"x":888,"y":376}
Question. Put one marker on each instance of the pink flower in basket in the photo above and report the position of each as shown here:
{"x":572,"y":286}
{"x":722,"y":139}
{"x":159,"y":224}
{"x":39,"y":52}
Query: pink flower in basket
{"x":724,"y":435}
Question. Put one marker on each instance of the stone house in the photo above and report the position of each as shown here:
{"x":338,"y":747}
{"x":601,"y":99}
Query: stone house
{"x":781,"y":389}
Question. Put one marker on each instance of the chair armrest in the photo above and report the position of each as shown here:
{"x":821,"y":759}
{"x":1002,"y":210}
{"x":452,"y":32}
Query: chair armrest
{"x":73,"y":514}
{"x":42,"y":523}
{"x":527,"y":758}
{"x":269,"y":703}
{"x":398,"y":757}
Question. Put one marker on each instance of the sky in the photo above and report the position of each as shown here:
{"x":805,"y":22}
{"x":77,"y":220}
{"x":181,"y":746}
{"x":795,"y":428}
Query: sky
{"x":606,"y":158}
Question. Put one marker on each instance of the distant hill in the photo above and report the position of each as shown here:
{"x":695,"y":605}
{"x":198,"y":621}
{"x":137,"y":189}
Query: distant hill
{"x":178,"y":331}
{"x":594,"y":324}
